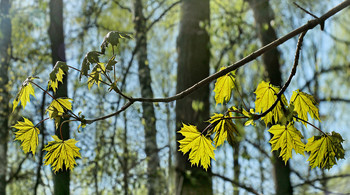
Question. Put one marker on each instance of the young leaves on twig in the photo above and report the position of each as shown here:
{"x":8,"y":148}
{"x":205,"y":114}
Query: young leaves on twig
{"x":90,"y":58}
{"x":201,"y":146}
{"x":58,"y":107}
{"x":28,"y":134}
{"x":61,"y":154}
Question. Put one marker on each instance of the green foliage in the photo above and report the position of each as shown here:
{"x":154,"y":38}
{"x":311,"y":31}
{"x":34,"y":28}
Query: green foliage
{"x":28,"y":134}
{"x":325,"y":150}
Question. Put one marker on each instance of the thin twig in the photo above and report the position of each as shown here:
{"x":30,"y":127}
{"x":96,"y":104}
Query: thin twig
{"x":311,"y":125}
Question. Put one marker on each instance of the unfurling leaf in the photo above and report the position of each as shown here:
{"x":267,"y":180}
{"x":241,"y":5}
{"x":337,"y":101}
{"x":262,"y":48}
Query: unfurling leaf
{"x":223,"y":87}
{"x":303,"y":104}
{"x":113,"y":39}
{"x":224,"y":129}
{"x":57,"y":108}
{"x":28,"y":134}
{"x":61,"y":154}
{"x":56,"y":75}
{"x":90,"y":58}
{"x":111,"y":62}
{"x":95,"y":76}
{"x":24,"y":93}
{"x":266,"y":95}
{"x":201,"y":147}
{"x":286,"y":137}
{"x":325,"y":150}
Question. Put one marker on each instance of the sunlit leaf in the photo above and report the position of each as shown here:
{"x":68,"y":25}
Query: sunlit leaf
{"x":28,"y":134}
{"x":57,"y":108}
{"x":286,"y":138}
{"x":303,"y":104}
{"x":266,"y":95}
{"x":61,"y":154}
{"x":223,"y":88}
{"x":201,"y":147}
{"x":224,"y":128}
{"x":325,"y":150}
{"x":56,"y":75}
{"x":95,"y":76}
{"x":24,"y":93}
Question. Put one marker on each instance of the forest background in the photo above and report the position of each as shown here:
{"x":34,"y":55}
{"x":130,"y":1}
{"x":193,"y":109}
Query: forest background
{"x":135,"y":152}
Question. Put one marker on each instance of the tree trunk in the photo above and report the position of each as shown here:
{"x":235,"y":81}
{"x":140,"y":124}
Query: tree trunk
{"x":193,"y":66}
{"x":61,"y":178}
{"x":153,"y":168}
{"x":263,"y":15}
{"x":5,"y":48}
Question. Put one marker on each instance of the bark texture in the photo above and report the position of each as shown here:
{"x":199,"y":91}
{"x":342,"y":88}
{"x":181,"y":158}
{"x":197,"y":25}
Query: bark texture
{"x":56,"y":34}
{"x":153,"y":168}
{"x":193,"y":66}
{"x":5,"y":56}
{"x":263,"y":15}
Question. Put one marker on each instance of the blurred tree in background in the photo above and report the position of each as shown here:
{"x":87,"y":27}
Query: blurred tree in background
{"x":175,"y":45}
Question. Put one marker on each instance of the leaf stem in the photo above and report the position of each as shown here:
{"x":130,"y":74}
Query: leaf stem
{"x":311,"y":125}
{"x":66,"y":121}
{"x":41,"y":122}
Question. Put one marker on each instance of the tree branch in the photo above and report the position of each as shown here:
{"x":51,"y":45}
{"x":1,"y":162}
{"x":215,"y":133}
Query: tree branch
{"x":303,"y":29}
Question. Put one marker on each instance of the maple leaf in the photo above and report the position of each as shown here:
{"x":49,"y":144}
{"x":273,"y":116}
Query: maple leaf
{"x":286,"y":137}
{"x":90,"y":58}
{"x":57,"y":75}
{"x":95,"y":76}
{"x":223,"y":87}
{"x":112,"y":38}
{"x":61,"y":153}
{"x":266,"y":95}
{"x":201,"y":147}
{"x":224,"y":129}
{"x":57,"y":108}
{"x":303,"y":104}
{"x":28,"y":134}
{"x":325,"y":150}
{"x":24,"y":93}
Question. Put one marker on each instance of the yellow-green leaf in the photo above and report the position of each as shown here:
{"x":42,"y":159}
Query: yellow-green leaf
{"x":303,"y":104}
{"x":325,"y":150}
{"x":24,"y":93}
{"x":223,"y":87}
{"x":59,"y":106}
{"x":57,"y":75}
{"x":28,"y":134}
{"x":201,"y":147}
{"x":95,"y":76}
{"x":224,"y":128}
{"x":266,"y":95}
{"x":286,"y":137}
{"x":61,"y":154}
